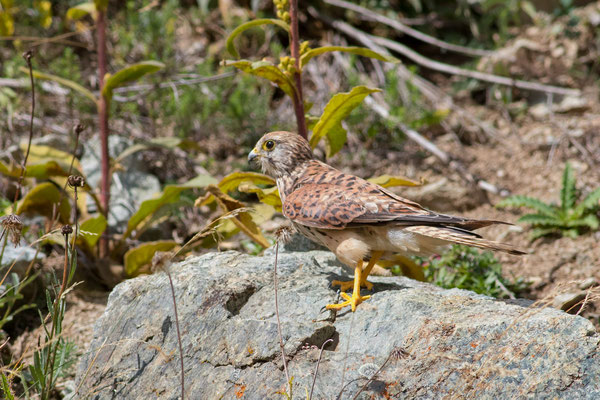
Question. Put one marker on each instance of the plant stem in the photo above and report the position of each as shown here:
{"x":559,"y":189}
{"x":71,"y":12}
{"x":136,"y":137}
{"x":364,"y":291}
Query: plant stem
{"x":103,"y":124}
{"x":27,"y":56}
{"x":295,"y":49}
{"x":178,"y":332}
{"x":285,"y":368}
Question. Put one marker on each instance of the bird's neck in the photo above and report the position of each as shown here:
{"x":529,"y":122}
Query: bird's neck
{"x":287,"y":183}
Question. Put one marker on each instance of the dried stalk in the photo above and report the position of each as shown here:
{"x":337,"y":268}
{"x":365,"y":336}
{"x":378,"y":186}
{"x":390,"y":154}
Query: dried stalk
{"x":399,"y":26}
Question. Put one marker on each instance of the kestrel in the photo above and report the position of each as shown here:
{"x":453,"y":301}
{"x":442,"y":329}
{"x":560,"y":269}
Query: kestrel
{"x":357,"y":220}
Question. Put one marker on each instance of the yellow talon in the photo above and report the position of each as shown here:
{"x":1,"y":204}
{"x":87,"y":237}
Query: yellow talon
{"x":353,"y":301}
{"x":346,"y":285}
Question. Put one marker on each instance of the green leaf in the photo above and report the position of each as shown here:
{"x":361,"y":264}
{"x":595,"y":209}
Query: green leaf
{"x":90,"y":231}
{"x":360,"y":51}
{"x":590,"y":221}
{"x":7,"y":23}
{"x":63,"y":81}
{"x":101,"y":5}
{"x":44,"y":10}
{"x":590,"y":203}
{"x":233,"y":180}
{"x":6,"y":390}
{"x":338,"y":108}
{"x":265,"y":69}
{"x":539,"y":232}
{"x":529,"y":202}
{"x":541,"y":219}
{"x":268,"y":196}
{"x":243,"y":27}
{"x":390,"y":181}
{"x":81,"y":10}
{"x":129,"y":74}
{"x":137,"y":260}
{"x":567,"y":193}
{"x":42,"y":200}
{"x":170,"y":194}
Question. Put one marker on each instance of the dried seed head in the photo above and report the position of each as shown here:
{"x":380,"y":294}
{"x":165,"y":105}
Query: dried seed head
{"x":398,"y":353}
{"x":12,"y":225}
{"x":79,"y":128}
{"x":67,"y":229}
{"x":283,"y":235}
{"x":28,"y":55}
{"x":76,"y":181}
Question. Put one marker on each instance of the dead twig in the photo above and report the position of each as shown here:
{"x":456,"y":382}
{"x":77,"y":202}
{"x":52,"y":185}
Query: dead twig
{"x":312,"y":388}
{"x":399,"y":26}
{"x":285,"y":368}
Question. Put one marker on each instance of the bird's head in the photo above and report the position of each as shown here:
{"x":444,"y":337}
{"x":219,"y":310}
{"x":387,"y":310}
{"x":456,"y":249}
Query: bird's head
{"x":278,"y":153}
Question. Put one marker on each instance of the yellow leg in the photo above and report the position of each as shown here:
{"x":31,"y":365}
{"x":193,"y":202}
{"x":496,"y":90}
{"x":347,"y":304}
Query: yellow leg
{"x":356,"y":298}
{"x":345,"y":285}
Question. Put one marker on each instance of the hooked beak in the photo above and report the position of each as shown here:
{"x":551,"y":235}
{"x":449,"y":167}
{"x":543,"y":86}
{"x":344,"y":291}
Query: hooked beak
{"x":253,"y":155}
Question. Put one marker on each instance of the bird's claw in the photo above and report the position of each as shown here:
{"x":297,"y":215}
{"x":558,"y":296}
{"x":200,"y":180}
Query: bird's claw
{"x":351,"y":301}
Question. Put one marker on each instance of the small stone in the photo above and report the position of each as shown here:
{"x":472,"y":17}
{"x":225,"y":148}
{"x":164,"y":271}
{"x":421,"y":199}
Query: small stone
{"x":539,"y":111}
{"x":568,"y":301}
{"x":588,"y":283}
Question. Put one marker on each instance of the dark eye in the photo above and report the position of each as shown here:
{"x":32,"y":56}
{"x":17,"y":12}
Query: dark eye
{"x":269,"y":144}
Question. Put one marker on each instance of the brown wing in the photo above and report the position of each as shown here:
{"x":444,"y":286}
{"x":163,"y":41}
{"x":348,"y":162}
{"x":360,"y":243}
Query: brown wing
{"x":330,"y":206}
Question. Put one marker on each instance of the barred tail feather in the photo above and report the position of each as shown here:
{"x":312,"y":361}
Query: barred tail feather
{"x":450,"y":235}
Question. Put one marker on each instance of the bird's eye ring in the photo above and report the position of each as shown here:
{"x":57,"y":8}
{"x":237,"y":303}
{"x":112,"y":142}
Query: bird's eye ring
{"x":269,"y":145}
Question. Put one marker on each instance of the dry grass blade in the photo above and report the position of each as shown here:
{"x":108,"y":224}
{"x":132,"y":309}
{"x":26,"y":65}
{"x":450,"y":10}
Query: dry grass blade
{"x":365,"y":12}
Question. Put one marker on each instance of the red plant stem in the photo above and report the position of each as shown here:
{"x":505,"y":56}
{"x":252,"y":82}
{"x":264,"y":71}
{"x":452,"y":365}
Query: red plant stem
{"x":295,"y":47}
{"x":103,"y":123}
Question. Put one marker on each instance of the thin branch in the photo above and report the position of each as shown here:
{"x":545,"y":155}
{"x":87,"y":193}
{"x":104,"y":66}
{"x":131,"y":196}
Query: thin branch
{"x":399,"y":26}
{"x":285,"y":368}
{"x":27,"y":56}
{"x":312,"y":388}
{"x":178,"y":333}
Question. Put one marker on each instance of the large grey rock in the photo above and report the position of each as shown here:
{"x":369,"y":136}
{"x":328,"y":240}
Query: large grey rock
{"x":457,"y":344}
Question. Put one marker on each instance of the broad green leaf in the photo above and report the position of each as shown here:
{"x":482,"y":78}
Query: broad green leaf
{"x":163,"y":142}
{"x":360,"y":51}
{"x":7,"y":23}
{"x":567,"y":192}
{"x":170,"y":194}
{"x":268,"y":196}
{"x":39,"y":171}
{"x":336,"y":139}
{"x":41,"y":154}
{"x":101,"y":5}
{"x":42,"y":200}
{"x":243,"y":27}
{"x":529,"y":202}
{"x":62,"y":81}
{"x":90,"y":231}
{"x":590,"y":203}
{"x":129,"y":74}
{"x":232,"y":181}
{"x":338,"y":108}
{"x":81,"y":10}
{"x":138,"y":259}
{"x":390,"y":181}
{"x":265,"y":69}
{"x":44,"y":9}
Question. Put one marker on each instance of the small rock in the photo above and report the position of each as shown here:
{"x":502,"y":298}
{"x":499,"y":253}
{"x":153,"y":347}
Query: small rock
{"x":588,"y":283}
{"x":539,"y":111}
{"x":568,"y":301}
